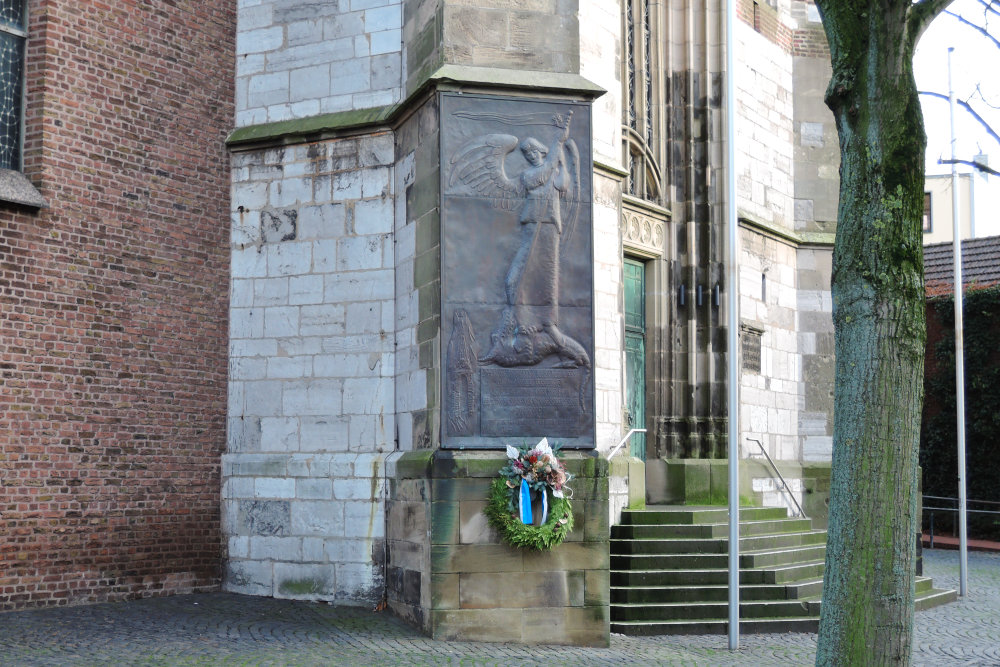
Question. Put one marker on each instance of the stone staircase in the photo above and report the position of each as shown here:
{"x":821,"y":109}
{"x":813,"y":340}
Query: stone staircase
{"x":669,"y":572}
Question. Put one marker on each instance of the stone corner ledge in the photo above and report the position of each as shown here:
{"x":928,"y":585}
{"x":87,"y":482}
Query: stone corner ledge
{"x":795,"y":238}
{"x":15,"y":188}
{"x":297,"y":130}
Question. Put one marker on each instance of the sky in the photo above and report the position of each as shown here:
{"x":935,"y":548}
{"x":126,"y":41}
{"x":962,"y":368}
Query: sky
{"x":974,"y":61}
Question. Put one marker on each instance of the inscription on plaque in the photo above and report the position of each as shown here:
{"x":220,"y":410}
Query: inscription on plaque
{"x":534,"y":402}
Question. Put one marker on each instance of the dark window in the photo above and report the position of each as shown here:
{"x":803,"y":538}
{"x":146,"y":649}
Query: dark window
{"x":13,"y":35}
{"x":750,"y":339}
{"x":927,"y":212}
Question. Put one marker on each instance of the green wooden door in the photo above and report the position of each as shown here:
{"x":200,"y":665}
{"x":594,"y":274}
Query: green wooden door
{"x":635,"y":353}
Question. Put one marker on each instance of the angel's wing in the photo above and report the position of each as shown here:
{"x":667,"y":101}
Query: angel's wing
{"x":479,"y":164}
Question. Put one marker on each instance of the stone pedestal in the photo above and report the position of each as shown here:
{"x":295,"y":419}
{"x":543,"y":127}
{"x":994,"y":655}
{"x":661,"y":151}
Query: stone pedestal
{"x":449,"y":573}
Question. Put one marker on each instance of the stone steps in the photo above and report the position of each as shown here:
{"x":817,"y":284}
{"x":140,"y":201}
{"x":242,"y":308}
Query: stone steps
{"x":716,"y":627}
{"x":661,"y":545}
{"x":669,"y":572}
{"x":708,"y":530}
{"x":713,"y":561}
{"x":688,"y":594}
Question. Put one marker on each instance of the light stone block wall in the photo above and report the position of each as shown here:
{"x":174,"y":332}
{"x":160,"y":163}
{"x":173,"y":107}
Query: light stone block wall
{"x":770,"y":399}
{"x":418,"y":278}
{"x":312,"y":359}
{"x":600,"y":40}
{"x":817,"y":182}
{"x":600,"y":62}
{"x":764,"y":129}
{"x":411,"y":379}
{"x":815,"y":332}
{"x":817,"y":149}
{"x":527,"y":35}
{"x":300,"y":59}
{"x":306,"y":526}
{"x":774,"y":494}
{"x":609,"y":343}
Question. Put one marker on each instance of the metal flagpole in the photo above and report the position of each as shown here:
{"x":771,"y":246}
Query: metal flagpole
{"x":732,"y":316}
{"x":963,"y":542}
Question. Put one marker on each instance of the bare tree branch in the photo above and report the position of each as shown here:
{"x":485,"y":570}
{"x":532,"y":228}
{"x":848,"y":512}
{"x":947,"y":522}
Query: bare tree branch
{"x":921,"y":15}
{"x":982,"y":96}
{"x":972,"y":163}
{"x":972,"y":112}
{"x":975,"y":26}
{"x":990,"y":6}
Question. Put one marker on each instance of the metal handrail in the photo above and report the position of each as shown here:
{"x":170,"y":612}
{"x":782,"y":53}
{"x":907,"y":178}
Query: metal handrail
{"x":969,"y":500}
{"x":930,"y":511}
{"x":624,"y":440}
{"x":788,"y":489}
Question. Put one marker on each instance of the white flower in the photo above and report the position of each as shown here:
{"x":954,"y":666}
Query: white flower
{"x":557,"y":494}
{"x":543,"y":447}
{"x":512,"y":452}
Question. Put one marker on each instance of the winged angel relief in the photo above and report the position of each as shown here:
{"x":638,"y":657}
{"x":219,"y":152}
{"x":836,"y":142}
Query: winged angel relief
{"x":528,"y":330}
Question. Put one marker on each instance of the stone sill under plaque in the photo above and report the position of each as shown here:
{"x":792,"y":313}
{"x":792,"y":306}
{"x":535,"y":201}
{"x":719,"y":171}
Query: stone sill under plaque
{"x":15,"y":188}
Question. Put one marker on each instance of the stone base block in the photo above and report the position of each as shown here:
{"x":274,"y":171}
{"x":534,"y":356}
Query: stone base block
{"x":451,"y":575}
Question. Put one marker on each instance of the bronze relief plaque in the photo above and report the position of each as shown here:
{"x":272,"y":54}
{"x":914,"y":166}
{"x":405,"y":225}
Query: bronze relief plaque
{"x":517,"y":272}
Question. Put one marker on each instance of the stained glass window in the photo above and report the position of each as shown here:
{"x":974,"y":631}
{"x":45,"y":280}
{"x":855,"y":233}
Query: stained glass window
{"x":12,"y":44}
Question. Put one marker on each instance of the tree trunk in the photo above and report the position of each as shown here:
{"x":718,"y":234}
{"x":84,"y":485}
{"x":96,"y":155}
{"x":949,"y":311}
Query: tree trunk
{"x":878,"y":311}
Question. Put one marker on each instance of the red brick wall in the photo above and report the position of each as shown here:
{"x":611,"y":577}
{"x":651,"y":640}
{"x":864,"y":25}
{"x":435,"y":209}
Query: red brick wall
{"x":113,"y":301}
{"x":808,"y":41}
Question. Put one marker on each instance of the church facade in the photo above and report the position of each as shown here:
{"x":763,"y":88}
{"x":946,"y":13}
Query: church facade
{"x":459,"y":226}
{"x":270,"y":327}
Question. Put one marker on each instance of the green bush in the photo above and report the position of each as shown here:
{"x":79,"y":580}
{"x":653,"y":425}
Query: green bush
{"x":938,"y":442}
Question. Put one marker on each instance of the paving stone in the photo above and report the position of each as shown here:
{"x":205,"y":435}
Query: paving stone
{"x":230,"y":629}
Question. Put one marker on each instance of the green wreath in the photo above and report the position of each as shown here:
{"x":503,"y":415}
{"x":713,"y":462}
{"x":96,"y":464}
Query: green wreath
{"x":517,"y":534}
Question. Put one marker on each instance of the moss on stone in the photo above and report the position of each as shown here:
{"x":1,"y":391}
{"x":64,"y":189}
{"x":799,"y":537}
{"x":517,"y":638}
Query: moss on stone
{"x":416,"y":464}
{"x":330,"y":123}
{"x":300,"y":586}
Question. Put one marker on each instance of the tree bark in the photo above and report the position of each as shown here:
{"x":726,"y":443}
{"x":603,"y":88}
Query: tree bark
{"x":879,"y":331}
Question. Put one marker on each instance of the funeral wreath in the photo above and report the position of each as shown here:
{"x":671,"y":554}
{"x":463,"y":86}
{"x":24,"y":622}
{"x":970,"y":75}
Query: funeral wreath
{"x":529,"y":503}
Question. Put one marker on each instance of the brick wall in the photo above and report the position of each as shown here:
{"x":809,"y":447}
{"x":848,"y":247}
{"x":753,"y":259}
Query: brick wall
{"x":765,"y":19}
{"x":113,"y":305}
{"x":796,"y":28}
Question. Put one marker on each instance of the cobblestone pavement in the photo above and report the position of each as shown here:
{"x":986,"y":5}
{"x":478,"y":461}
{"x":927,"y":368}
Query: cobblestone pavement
{"x":224,"y":629}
